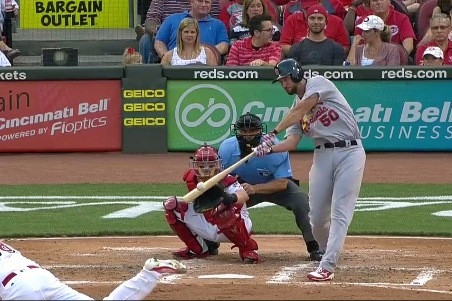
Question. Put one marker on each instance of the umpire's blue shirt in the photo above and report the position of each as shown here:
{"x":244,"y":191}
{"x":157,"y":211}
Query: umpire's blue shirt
{"x":211,"y":31}
{"x":256,"y":170}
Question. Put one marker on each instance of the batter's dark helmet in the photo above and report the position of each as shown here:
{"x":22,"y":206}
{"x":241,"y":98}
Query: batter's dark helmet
{"x":289,"y":67}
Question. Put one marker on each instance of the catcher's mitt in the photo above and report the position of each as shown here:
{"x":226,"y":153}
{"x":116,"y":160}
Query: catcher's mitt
{"x":212,"y":198}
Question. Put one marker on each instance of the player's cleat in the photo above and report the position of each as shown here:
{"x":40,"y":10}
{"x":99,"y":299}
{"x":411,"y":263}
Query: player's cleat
{"x":316,"y":255}
{"x":320,"y":275}
{"x":250,"y":257}
{"x":213,"y":247}
{"x":169,"y":266}
{"x":185,"y":254}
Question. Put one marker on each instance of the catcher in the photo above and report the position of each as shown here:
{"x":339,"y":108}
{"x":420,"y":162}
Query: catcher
{"x":218,"y":215}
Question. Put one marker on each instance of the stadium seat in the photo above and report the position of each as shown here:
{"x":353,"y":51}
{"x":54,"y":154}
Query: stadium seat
{"x":422,"y":22}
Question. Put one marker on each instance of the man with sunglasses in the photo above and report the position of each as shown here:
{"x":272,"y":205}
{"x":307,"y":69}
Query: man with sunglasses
{"x":440,"y":25}
{"x":259,"y":49}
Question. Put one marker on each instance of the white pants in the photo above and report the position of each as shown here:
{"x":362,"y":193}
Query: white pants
{"x":40,"y":284}
{"x":198,"y":224}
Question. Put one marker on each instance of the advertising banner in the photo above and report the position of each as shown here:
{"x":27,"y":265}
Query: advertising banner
{"x":144,"y":110}
{"x":48,"y":116}
{"x":80,"y":14}
{"x":392,"y":115}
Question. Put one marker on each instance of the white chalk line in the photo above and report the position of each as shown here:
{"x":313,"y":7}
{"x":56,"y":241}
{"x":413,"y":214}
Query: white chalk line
{"x":136,"y":249}
{"x":406,"y":287}
{"x":424,"y":277}
{"x":287,"y":273}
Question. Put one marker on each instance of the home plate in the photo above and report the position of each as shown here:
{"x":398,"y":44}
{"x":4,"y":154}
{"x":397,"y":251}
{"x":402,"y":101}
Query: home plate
{"x":226,"y":276}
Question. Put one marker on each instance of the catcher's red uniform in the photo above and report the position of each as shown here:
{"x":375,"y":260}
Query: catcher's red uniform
{"x":221,"y":224}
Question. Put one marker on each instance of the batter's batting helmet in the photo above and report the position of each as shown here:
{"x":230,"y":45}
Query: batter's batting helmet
{"x":206,"y":161}
{"x":289,"y":67}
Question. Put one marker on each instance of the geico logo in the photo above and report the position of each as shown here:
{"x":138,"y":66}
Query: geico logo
{"x":143,"y":93}
{"x":144,"y":107}
{"x":159,"y":121}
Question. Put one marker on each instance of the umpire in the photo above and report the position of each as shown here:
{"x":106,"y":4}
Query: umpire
{"x":269,"y":178}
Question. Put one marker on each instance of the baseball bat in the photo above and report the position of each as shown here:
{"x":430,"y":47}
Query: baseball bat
{"x":192,"y":195}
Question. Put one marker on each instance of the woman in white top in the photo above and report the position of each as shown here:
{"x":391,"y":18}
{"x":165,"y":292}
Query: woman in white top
{"x":189,"y":51}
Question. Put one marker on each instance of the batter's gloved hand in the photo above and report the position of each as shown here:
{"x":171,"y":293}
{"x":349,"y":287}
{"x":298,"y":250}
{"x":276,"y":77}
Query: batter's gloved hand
{"x":269,"y":139}
{"x":262,"y":150}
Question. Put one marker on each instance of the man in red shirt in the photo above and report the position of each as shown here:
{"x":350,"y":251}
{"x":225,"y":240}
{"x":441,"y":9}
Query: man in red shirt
{"x":440,"y":26}
{"x":259,"y":49}
{"x":295,"y":29}
{"x":400,"y":24}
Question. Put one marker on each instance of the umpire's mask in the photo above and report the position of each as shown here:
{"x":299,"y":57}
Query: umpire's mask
{"x":248,"y":129}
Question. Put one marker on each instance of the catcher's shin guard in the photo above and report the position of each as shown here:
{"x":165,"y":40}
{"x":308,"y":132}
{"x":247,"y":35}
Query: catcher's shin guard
{"x":233,"y":227}
{"x":194,"y":248}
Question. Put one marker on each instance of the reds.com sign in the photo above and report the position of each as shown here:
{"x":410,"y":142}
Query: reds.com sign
{"x":47,"y":116}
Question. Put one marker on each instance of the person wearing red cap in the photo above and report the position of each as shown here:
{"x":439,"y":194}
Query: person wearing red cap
{"x":316,"y":48}
{"x":295,"y":29}
{"x":333,"y":7}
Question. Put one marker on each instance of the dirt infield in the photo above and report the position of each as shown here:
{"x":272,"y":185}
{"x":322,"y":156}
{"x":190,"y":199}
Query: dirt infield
{"x":370,"y":267}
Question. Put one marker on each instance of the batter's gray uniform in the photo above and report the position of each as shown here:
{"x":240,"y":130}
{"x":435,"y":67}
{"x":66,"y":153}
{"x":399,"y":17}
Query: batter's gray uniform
{"x":338,"y":165}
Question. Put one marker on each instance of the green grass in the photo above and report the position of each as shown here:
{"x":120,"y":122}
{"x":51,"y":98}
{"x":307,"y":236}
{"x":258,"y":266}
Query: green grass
{"x":84,"y":219}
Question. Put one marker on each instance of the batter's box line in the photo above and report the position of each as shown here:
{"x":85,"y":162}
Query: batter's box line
{"x":397,"y":286}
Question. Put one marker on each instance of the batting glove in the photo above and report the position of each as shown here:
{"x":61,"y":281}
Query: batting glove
{"x":269,"y":139}
{"x":262,"y":150}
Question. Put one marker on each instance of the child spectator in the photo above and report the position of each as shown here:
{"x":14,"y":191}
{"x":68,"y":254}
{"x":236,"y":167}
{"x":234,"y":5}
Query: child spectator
{"x":131,"y":56}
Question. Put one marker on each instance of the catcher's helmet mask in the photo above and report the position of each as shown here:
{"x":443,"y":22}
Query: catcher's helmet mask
{"x":205,"y":162}
{"x":289,"y":67}
{"x":246,"y":123}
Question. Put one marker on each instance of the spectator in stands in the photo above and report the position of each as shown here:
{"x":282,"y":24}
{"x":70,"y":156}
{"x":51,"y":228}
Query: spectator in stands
{"x":157,"y":13}
{"x":189,"y":50}
{"x":356,"y":9}
{"x":433,"y":56}
{"x":259,"y":49}
{"x":212,"y":31}
{"x":333,"y":7}
{"x":251,"y":8}
{"x":131,"y":56}
{"x":400,"y":25}
{"x":295,"y":29}
{"x":374,"y":51}
{"x":441,"y":8}
{"x":316,"y":48}
{"x":232,"y":15}
{"x":4,"y":8}
{"x":440,"y":25}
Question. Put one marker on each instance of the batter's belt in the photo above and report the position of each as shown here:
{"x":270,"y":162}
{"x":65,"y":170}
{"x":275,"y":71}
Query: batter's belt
{"x":340,"y":143}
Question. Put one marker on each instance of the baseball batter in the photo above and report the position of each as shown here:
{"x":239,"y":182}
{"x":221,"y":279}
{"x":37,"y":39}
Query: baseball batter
{"x":228,"y":222}
{"x":320,"y":111}
{"x":23,"y":279}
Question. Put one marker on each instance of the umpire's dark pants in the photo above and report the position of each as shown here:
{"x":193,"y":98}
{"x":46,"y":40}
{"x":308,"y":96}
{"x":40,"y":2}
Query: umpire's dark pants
{"x":293,"y":199}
